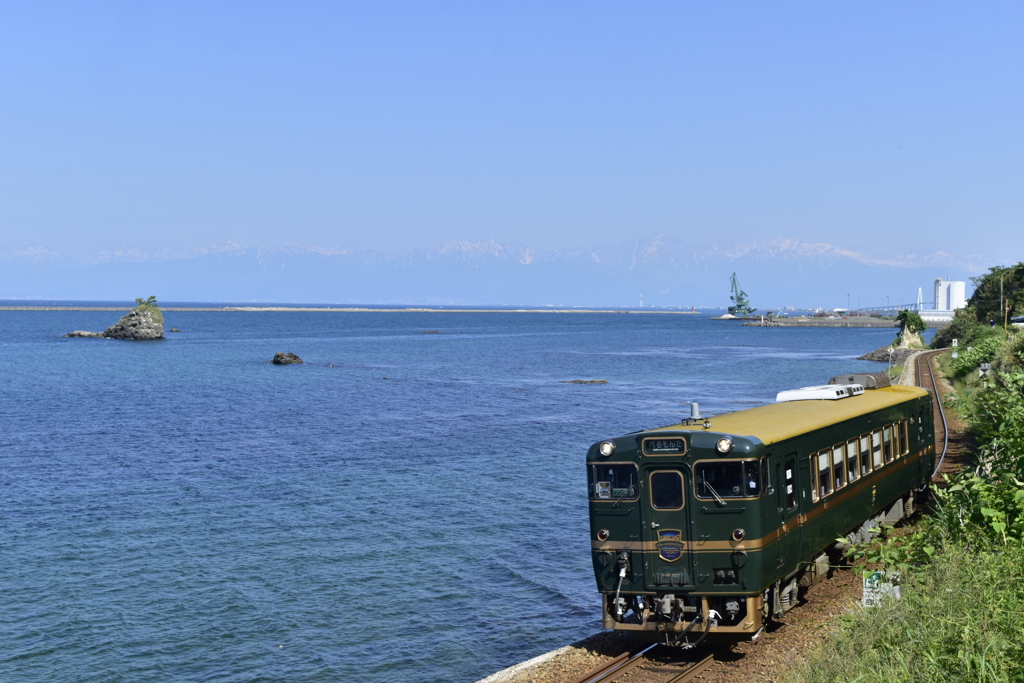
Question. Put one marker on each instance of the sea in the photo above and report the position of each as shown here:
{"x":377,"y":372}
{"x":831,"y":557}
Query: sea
{"x":408,"y":505}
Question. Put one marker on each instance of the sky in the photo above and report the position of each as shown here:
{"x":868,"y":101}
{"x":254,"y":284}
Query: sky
{"x":388,"y":126}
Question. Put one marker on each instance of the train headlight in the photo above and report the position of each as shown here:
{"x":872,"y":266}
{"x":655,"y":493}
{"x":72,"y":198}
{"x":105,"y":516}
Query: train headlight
{"x":738,"y":534}
{"x":724,"y":445}
{"x":606,"y":448}
{"x":602,"y":535}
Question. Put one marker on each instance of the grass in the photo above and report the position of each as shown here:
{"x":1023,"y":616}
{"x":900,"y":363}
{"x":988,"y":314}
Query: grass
{"x":156,"y":312}
{"x":961,"y":620}
{"x":150,"y":305}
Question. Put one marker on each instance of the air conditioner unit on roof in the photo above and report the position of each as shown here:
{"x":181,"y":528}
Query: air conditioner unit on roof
{"x":825,"y":392}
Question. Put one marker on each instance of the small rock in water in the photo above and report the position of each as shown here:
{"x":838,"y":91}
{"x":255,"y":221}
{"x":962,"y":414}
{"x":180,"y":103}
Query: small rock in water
{"x":174,"y":329}
{"x":899,"y":356}
{"x":281,"y":358}
{"x":83,"y":333}
{"x":433,"y":331}
{"x":583,"y":381}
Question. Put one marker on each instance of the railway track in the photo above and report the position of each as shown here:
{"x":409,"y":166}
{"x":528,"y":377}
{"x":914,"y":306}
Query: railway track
{"x":925,"y":376}
{"x":660,"y":669}
{"x":658,"y":664}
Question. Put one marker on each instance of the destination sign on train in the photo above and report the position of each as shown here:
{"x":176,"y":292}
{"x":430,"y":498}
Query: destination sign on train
{"x":664,"y":446}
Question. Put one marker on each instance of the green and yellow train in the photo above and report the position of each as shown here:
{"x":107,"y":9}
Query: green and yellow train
{"x":710,"y":527}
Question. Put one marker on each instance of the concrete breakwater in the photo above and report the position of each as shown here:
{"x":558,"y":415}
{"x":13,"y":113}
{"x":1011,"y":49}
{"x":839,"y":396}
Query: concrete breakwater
{"x":820,"y":322}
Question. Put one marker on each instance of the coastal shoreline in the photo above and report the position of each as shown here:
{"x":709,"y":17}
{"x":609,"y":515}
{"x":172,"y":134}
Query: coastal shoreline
{"x":289,"y":309}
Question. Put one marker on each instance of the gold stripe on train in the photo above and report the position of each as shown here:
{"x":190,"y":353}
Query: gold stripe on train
{"x":755,"y":544}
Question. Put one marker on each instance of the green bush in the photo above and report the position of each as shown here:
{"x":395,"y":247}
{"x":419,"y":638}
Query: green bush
{"x":1010,"y":357}
{"x":965,"y":328}
{"x":970,"y":357}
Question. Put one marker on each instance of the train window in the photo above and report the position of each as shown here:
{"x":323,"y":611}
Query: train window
{"x":865,"y":454}
{"x":613,"y":482}
{"x":876,"y":448}
{"x":904,"y":440}
{"x":838,"y":471}
{"x":852,"y":469}
{"x":766,"y":475}
{"x":790,"y":486}
{"x":887,"y":442}
{"x":814,"y":478}
{"x":667,"y":490}
{"x":730,"y":479}
{"x":824,"y":474}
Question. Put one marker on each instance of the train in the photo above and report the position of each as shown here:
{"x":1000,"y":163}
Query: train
{"x":709,"y":528}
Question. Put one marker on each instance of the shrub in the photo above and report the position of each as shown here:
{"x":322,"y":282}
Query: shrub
{"x":1010,"y":357}
{"x":970,"y":357}
{"x":151,"y":306}
{"x":964,"y":327}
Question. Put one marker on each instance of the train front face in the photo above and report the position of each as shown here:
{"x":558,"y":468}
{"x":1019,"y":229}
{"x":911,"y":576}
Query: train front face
{"x":677,"y":527}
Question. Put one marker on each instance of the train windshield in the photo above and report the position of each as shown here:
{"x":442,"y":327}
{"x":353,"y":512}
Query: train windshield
{"x":613,"y":482}
{"x":732,"y":479}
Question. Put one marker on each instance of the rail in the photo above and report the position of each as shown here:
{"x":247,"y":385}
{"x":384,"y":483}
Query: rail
{"x":626,"y":662}
{"x":937,"y":397}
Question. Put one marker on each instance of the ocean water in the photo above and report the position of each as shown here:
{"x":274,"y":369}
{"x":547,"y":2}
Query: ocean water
{"x":403,"y":507}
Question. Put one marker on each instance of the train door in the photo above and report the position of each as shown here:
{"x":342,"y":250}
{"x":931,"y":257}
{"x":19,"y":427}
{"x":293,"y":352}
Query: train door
{"x":667,"y":531}
{"x":787,"y":500}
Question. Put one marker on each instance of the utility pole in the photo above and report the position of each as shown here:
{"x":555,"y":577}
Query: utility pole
{"x":847,"y":303}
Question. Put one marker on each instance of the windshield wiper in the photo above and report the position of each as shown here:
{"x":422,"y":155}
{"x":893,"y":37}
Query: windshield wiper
{"x":713,"y":492}
{"x":619,"y":499}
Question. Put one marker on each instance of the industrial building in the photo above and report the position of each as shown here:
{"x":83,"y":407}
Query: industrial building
{"x":950,"y":295}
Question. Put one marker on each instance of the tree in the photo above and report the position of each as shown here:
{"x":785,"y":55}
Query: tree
{"x":1001,"y":285}
{"x":911,"y":320}
{"x":911,"y":326}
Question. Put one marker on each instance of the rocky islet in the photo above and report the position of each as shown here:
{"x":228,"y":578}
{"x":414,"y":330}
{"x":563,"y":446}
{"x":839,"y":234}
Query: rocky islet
{"x":142,"y":323}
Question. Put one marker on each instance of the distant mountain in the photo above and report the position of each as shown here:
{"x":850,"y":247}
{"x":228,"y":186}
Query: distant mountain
{"x":667,"y":271}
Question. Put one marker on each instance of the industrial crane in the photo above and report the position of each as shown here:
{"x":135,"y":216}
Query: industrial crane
{"x":741,"y":306}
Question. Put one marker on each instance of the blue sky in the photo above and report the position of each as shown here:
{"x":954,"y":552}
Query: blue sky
{"x":400,"y":125}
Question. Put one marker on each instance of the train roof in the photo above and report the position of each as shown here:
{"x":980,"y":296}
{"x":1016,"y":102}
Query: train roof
{"x":781,"y":421}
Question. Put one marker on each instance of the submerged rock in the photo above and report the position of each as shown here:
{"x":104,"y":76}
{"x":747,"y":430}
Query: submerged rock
{"x":583,"y":381}
{"x":174,"y":329}
{"x":83,"y":333}
{"x":281,"y":358}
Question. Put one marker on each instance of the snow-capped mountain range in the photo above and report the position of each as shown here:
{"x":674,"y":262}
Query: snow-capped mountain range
{"x":668,"y":271}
